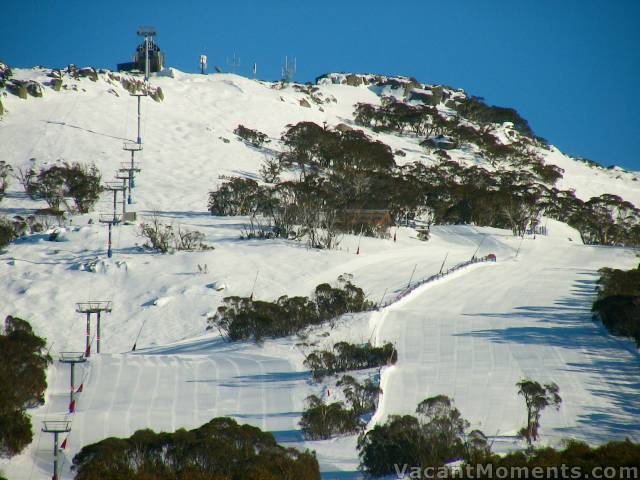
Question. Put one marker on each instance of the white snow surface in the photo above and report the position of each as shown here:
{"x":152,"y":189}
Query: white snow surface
{"x":471,"y":335}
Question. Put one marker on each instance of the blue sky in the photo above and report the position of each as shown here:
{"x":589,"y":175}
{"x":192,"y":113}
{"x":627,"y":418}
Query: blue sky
{"x":570,"y":67}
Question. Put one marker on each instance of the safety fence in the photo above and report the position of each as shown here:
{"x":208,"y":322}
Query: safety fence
{"x":437,"y":276}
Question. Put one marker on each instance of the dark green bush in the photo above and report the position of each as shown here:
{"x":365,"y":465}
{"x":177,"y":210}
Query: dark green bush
{"x":23,"y":364}
{"x":348,"y":356}
{"x":78,"y":181}
{"x":242,"y":318}
{"x":239,"y":196}
{"x":321,"y":421}
{"x":83,"y":185}
{"x":254,"y":137}
{"x":575,"y":460}
{"x":218,"y":450}
{"x":433,"y":438}
{"x":618,"y":303}
{"x":477,"y":110}
{"x":7,"y":232}
{"x":362,"y":397}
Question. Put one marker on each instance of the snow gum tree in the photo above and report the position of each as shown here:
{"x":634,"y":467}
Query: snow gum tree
{"x":537,"y":397}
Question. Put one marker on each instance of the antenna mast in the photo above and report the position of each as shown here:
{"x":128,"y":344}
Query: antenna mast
{"x":289,"y":70}
{"x":234,"y":63}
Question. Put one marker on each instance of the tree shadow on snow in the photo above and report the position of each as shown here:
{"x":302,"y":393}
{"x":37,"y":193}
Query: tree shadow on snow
{"x":568,"y":324}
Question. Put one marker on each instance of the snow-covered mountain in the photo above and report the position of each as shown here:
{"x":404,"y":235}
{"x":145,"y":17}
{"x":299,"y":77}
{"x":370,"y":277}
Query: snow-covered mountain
{"x":471,"y":335}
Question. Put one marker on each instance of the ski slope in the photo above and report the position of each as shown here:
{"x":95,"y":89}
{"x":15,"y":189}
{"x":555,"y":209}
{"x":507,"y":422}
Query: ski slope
{"x":472,"y":335}
{"x":476,"y":336}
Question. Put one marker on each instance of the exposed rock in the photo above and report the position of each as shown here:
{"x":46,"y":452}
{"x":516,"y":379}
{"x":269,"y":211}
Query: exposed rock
{"x":305,"y":103}
{"x":354,"y":80}
{"x":424,"y":97}
{"x":157,"y":94}
{"x":18,"y":88}
{"x":343,"y":127}
{"x":88,"y":72}
{"x":5,"y":72}
{"x":72,"y":70}
{"x":34,"y":88}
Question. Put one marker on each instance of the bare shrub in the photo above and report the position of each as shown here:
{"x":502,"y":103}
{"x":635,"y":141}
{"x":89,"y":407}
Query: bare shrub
{"x":164,"y":238}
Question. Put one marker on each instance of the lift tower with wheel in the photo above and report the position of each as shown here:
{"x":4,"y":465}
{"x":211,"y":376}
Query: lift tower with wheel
{"x":89,"y":308}
{"x":56,"y":427}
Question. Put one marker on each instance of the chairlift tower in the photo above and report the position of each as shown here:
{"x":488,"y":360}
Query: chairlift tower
{"x":131,"y":168}
{"x":116,"y":187}
{"x":72,"y":358}
{"x":289,"y":70}
{"x":56,"y":427}
{"x":110,"y":220}
{"x":124,"y":176}
{"x":115,"y":218}
{"x":89,"y":308}
{"x":148,"y":33}
{"x":139,"y":95}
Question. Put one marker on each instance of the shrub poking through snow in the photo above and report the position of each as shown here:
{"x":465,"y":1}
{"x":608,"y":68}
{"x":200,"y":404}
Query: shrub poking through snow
{"x":243,"y":318}
{"x":7,"y":232}
{"x":83,"y":185}
{"x":165,"y":238}
{"x":346,"y":356}
{"x":218,"y":450}
{"x":55,"y":183}
{"x":253,"y":137}
{"x":5,"y":172}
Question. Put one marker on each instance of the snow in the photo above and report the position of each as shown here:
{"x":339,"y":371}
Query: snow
{"x":472,"y":335}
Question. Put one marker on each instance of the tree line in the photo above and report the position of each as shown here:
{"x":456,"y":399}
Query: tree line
{"x":218,"y":450}
{"x":341,"y":170}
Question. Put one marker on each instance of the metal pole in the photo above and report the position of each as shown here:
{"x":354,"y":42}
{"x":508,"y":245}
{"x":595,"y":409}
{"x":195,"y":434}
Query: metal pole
{"x":72,"y":382}
{"x":98,"y":334}
{"x":55,"y":455}
{"x":139,"y":139}
{"x":115,"y":202}
{"x":443,"y":262}
{"x":146,"y":58}
{"x":124,"y":198}
{"x":411,"y":277}
{"x":109,"y":252}
{"x":87,"y":350}
{"x":132,"y":181}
